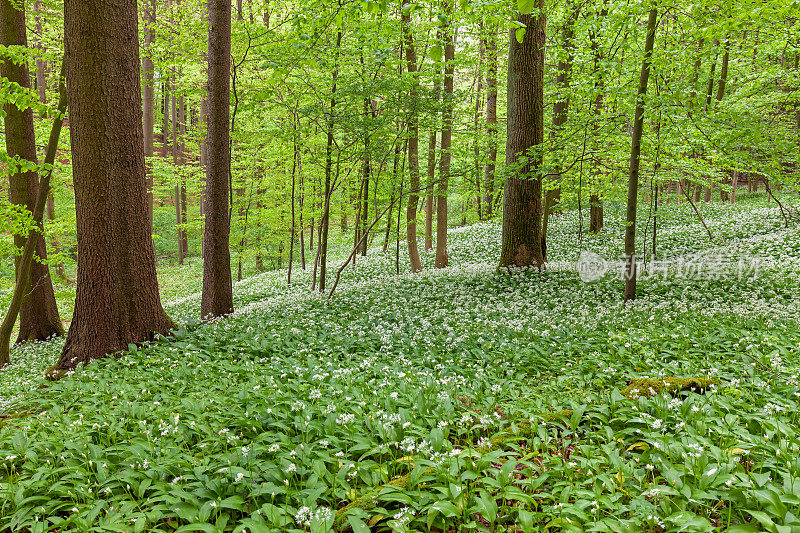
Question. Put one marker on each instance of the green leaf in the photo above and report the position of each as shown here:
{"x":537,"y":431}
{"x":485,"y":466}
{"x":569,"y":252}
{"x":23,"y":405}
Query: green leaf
{"x":358,"y":525}
{"x":526,"y":7}
{"x":520,"y":35}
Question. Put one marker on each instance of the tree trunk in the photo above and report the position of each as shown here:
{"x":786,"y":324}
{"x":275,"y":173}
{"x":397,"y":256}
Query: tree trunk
{"x":366,"y":176}
{"x":429,"y":197}
{"x":324,"y":228}
{"x":413,"y":141}
{"x":595,"y":200}
{"x":560,"y":111}
{"x":41,"y":75}
{"x":217,"y":296}
{"x":39,"y":318}
{"x":476,"y":145}
{"x":117,"y":301}
{"x":522,"y":199}
{"x":447,"y":139}
{"x":149,"y":96}
{"x":636,"y":148}
{"x":31,"y":243}
{"x":184,"y":237}
{"x":491,"y":122}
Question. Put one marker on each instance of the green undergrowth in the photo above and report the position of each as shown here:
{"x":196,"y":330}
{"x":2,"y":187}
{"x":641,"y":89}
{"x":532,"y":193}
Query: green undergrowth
{"x":455,"y":400}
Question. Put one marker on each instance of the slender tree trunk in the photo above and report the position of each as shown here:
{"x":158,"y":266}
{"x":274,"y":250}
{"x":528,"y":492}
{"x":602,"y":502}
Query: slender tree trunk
{"x":595,"y":200}
{"x":39,"y":318}
{"x":326,"y":210}
{"x":217,"y":296}
{"x":447,"y":139}
{"x":522,"y":201}
{"x":176,"y":161}
{"x":476,"y":145}
{"x":413,"y":140}
{"x":117,"y":301}
{"x":31,"y":243}
{"x":41,"y":88}
{"x":149,"y":95}
{"x":429,"y":196}
{"x":366,"y":176}
{"x":239,"y":10}
{"x":491,"y":122}
{"x":560,"y":112}
{"x":397,"y":151}
{"x":41,"y":74}
{"x":723,"y":74}
{"x":184,"y":237}
{"x":165,"y":129}
{"x":636,"y":148}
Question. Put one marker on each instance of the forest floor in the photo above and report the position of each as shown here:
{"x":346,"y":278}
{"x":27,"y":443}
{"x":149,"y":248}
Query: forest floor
{"x":456,"y":399}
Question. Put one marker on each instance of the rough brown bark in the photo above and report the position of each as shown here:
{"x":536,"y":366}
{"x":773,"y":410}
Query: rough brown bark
{"x":636,"y":149}
{"x":217,"y":297}
{"x":117,"y":300}
{"x":38,"y":314}
{"x":413,"y":140}
{"x":522,"y":200}
{"x":442,"y":259}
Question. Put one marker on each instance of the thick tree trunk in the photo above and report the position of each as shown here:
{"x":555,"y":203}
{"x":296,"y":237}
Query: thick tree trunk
{"x":447,"y":139}
{"x":522,"y":200}
{"x":413,"y":141}
{"x":636,"y":148}
{"x":217,"y":297}
{"x":117,"y":300}
{"x":491,"y":122}
{"x":39,"y":318}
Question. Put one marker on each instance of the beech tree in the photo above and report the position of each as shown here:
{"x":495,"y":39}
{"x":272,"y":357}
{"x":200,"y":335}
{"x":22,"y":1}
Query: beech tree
{"x":522,"y":201}
{"x":38,"y":314}
{"x":413,"y":137}
{"x":636,"y":149}
{"x":117,"y":300}
{"x":217,"y":298}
